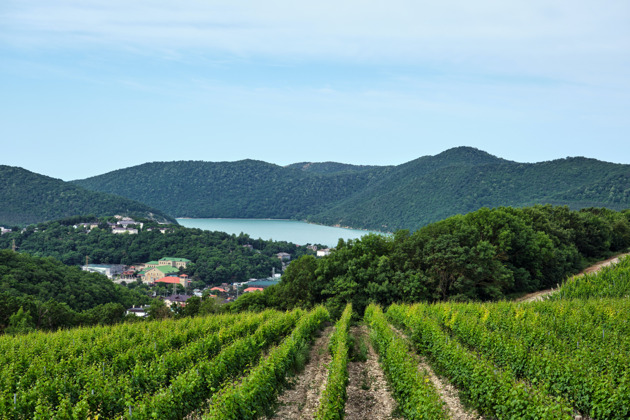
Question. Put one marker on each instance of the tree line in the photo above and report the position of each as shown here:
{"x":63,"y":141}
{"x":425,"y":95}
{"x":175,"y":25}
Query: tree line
{"x":488,"y":254}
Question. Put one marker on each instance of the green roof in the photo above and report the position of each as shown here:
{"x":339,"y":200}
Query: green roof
{"x":174,"y":259}
{"x":152,"y":263}
{"x":167,"y":269}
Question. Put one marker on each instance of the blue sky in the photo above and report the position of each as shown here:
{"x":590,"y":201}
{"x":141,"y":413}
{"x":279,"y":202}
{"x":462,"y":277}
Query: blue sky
{"x":87,"y":87}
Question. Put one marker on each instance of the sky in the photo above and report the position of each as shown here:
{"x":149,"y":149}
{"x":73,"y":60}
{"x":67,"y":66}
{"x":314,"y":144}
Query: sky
{"x":87,"y":87}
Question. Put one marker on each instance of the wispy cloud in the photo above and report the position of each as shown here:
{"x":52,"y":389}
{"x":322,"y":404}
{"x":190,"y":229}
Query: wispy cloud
{"x":569,"y":39}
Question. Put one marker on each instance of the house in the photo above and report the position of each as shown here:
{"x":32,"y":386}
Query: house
{"x":283,"y":256}
{"x":174,"y":262}
{"x":180,"y":299}
{"x":323,"y":252}
{"x":3,"y":231}
{"x":253,"y":289}
{"x":128,"y":274}
{"x":139,"y":311}
{"x":218,"y":289}
{"x":153,"y":274}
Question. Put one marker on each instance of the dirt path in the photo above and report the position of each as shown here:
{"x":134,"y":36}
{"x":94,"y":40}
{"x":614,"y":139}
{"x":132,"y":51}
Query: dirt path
{"x":368,"y":393}
{"x":531,"y":297}
{"x":302,"y":399}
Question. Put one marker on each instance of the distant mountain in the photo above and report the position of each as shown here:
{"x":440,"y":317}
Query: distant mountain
{"x":427,"y":189}
{"x":247,"y":188}
{"x":459,"y":181}
{"x":28,"y":197}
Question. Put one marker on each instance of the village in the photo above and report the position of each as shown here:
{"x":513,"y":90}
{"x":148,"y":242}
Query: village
{"x":167,"y":271}
{"x":167,"y":278}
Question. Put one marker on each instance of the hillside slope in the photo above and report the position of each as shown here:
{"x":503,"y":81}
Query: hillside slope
{"x":247,"y":188}
{"x":430,"y":189}
{"x":409,"y":196}
{"x":28,"y":197}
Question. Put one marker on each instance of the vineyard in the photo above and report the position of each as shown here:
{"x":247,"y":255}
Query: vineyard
{"x":555,"y":359}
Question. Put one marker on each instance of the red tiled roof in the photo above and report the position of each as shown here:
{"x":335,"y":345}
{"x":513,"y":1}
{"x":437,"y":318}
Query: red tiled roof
{"x":219,"y":289}
{"x":169,"y":280}
{"x":253,"y":289}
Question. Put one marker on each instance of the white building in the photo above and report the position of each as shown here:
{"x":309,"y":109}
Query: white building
{"x":323,"y":252}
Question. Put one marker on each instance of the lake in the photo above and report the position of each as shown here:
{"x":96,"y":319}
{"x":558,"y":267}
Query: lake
{"x":300,"y":233}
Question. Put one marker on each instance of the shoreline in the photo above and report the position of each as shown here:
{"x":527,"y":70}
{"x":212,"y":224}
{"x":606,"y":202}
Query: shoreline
{"x":286,"y":220}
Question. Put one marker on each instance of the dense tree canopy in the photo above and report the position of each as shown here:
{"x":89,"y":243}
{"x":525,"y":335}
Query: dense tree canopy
{"x":28,"y":197}
{"x":53,"y":295}
{"x":485,"y":255}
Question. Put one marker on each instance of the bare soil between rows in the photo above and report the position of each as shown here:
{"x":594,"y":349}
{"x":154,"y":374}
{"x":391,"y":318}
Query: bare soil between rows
{"x":301,"y":400}
{"x":368,"y":392}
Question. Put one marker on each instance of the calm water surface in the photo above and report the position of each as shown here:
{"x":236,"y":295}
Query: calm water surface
{"x":300,"y":233}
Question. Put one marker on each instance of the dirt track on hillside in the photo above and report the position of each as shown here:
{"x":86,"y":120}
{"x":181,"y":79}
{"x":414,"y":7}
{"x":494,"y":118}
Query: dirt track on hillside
{"x":531,"y":297}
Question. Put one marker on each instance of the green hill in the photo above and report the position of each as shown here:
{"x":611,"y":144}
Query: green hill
{"x":28,"y":197}
{"x":57,"y":295}
{"x":406,"y":196}
{"x":247,"y":188}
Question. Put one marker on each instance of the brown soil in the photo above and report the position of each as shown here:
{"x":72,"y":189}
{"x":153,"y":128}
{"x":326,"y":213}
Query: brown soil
{"x":531,"y":297}
{"x":368,"y":393}
{"x":449,"y":394}
{"x":302,"y":399}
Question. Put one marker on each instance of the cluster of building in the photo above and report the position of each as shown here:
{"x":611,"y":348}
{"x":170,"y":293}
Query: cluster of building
{"x":122,"y":225}
{"x":149,"y":273}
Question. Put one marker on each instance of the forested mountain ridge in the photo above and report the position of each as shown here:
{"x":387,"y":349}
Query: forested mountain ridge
{"x":246,"y":188}
{"x":28,"y":197}
{"x":407,"y":196}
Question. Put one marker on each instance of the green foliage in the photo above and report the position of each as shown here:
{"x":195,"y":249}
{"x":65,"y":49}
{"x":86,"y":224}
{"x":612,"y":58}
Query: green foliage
{"x":20,"y":322}
{"x":415,"y":394}
{"x":612,"y":281}
{"x":575,"y":350}
{"x":406,"y":196}
{"x":58,"y":296}
{"x":485,"y":255}
{"x":105,"y":370}
{"x":31,"y":198}
{"x":158,"y":310}
{"x":333,"y":399}
{"x":204,"y":377}
{"x":245,"y":189}
{"x":255,"y":396}
{"x":493,"y":392}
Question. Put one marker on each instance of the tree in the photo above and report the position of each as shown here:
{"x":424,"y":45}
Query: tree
{"x":158,"y":310}
{"x":20,"y":322}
